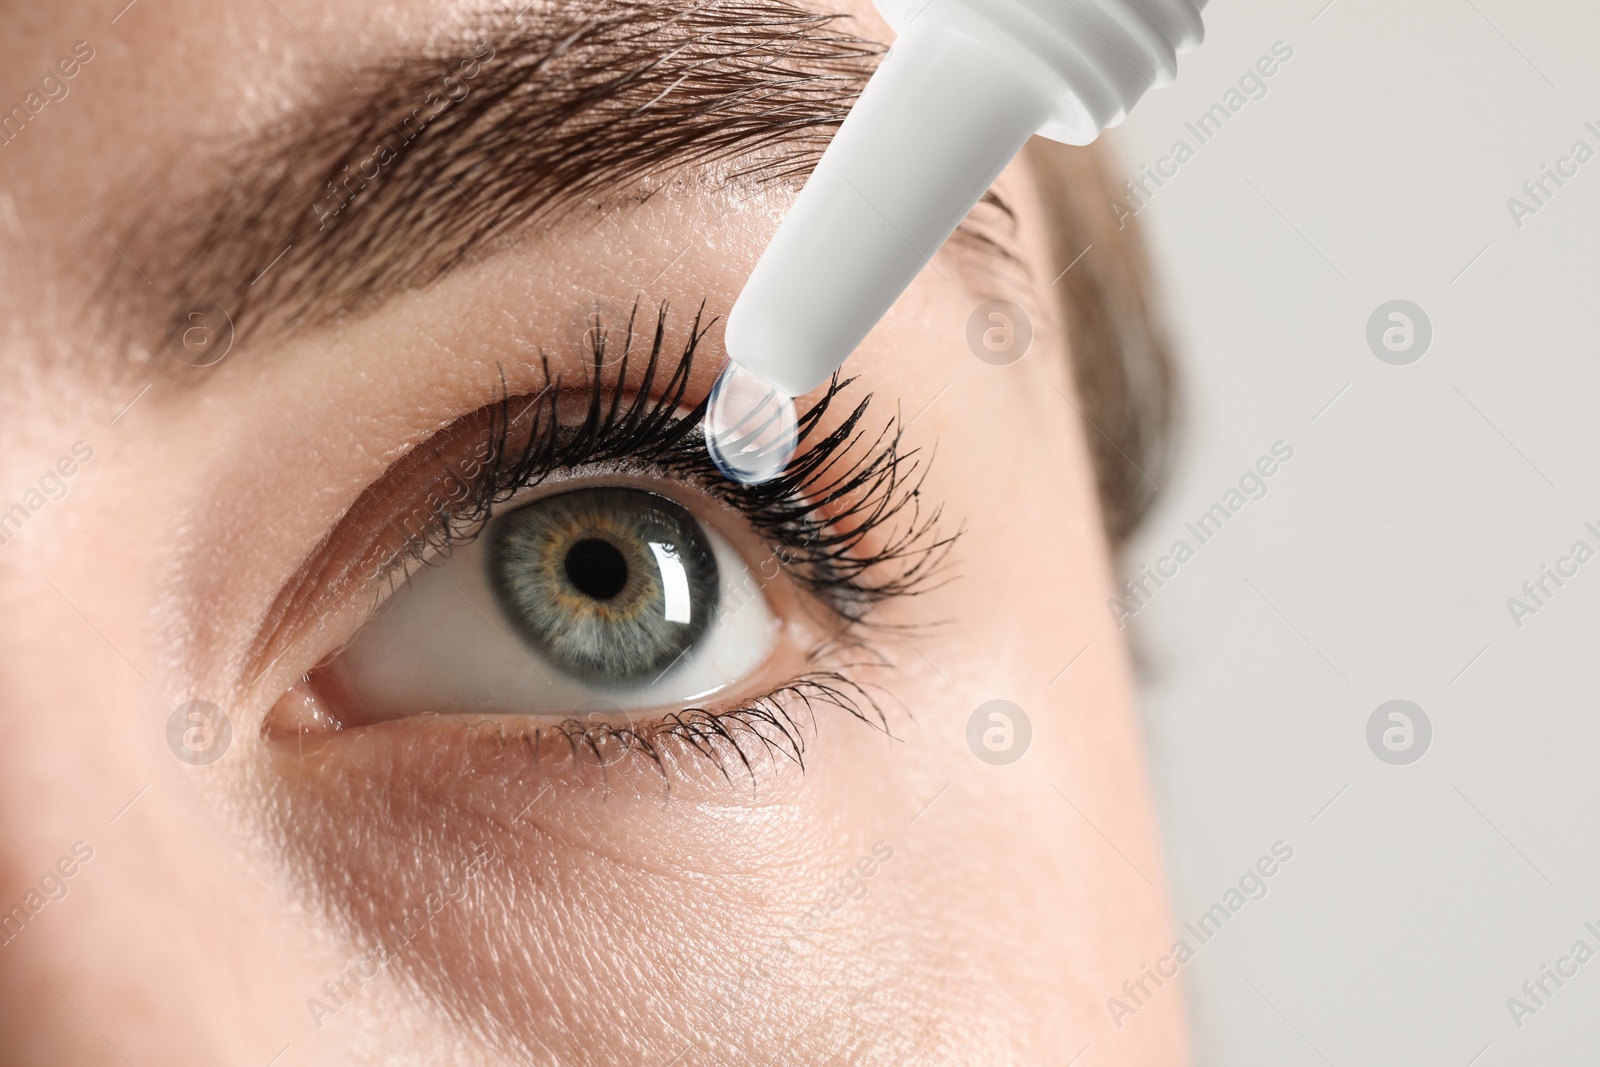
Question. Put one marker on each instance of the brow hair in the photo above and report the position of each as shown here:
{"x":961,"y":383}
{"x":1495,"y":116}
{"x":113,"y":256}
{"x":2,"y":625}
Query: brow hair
{"x":391,"y":186}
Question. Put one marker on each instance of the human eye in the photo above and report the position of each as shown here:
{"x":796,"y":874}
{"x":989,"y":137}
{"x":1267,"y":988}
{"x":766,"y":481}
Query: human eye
{"x":604,"y":596}
{"x":571,"y":564}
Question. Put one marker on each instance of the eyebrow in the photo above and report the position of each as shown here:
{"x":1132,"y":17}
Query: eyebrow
{"x":390,"y":177}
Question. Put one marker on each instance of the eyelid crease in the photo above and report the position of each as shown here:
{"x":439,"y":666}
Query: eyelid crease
{"x":845,"y":519}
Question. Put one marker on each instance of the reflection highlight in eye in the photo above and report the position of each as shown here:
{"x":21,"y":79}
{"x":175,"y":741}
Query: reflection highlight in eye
{"x":601,"y":595}
{"x":675,"y":583}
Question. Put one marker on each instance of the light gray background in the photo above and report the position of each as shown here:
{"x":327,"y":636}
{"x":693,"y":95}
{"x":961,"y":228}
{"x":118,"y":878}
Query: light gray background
{"x":1378,"y":566}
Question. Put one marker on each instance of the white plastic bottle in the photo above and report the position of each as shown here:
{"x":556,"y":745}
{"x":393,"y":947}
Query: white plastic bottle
{"x":964,"y":87}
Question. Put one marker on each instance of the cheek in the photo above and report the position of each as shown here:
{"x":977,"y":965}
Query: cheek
{"x":614,"y":914}
{"x":1032,"y":564}
{"x":1042,"y":949}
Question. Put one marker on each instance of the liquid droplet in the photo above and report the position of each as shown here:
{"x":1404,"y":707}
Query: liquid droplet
{"x":750,"y":426}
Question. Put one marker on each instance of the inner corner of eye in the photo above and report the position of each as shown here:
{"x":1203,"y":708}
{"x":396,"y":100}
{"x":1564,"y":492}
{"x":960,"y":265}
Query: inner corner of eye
{"x":589,"y":600}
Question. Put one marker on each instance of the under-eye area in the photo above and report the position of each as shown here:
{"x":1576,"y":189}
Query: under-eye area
{"x":569,"y":567}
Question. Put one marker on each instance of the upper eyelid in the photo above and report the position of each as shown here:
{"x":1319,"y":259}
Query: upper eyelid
{"x":862,"y":478}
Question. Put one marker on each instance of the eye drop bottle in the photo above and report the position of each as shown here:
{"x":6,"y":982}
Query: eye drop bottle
{"x":965,"y":85}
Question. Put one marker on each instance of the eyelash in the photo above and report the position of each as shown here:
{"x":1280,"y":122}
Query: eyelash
{"x":862,"y":486}
{"x":718,"y":736}
{"x":860,"y":490}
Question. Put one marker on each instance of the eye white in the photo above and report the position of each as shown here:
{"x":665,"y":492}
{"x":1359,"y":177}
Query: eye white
{"x":442,"y":645}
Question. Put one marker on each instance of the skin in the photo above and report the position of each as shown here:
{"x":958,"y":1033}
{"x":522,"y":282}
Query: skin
{"x":623,"y":918}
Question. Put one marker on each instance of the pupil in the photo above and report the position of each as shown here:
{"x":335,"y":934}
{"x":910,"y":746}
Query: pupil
{"x":596,"y":568}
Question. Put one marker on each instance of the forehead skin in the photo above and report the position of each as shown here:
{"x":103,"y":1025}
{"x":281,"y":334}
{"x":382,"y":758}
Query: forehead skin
{"x":614,"y":926}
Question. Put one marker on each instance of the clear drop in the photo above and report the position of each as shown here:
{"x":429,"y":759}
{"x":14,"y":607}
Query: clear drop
{"x":750,"y":426}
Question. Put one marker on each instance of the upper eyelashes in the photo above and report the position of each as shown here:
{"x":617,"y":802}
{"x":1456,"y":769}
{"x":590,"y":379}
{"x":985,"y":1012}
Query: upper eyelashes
{"x":823,"y":519}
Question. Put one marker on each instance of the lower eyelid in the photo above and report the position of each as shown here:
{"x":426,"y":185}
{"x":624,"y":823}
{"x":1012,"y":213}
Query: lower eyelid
{"x":810,"y":676}
{"x":695,"y":744}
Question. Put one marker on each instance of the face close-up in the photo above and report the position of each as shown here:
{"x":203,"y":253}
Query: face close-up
{"x":388,"y":673}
